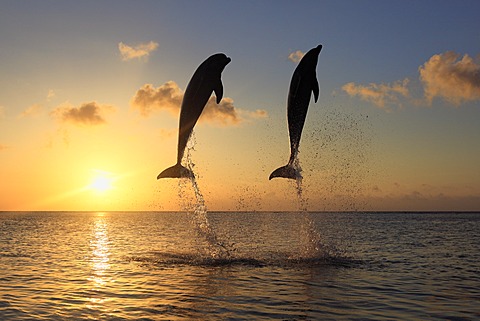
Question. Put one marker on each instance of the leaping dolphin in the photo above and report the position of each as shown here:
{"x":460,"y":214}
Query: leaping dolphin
{"x":205,"y":80}
{"x":304,"y":81}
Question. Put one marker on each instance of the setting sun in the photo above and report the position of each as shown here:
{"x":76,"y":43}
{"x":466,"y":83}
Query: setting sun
{"x":391,"y":130}
{"x":101,"y":183}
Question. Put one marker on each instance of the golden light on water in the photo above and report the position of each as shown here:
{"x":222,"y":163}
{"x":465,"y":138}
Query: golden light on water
{"x":99,"y":245}
{"x":99,"y":259}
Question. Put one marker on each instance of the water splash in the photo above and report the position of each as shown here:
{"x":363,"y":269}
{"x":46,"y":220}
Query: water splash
{"x":299,"y":187}
{"x":311,"y":244}
{"x":339,"y":150}
{"x":169,"y":259}
{"x":215,"y":249}
{"x":313,"y":247}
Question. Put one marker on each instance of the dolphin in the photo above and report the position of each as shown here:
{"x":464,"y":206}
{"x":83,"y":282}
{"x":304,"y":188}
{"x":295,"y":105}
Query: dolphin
{"x":205,"y":80}
{"x":304,"y":82}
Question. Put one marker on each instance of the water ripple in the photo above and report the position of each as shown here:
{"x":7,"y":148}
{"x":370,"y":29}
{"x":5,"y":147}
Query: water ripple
{"x":151,"y":266}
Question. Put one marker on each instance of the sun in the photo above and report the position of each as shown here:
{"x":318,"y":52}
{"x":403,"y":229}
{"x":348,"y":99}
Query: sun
{"x":101,"y":184}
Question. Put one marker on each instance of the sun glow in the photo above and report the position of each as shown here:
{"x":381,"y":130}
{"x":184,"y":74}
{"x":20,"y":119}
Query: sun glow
{"x":101,"y":183}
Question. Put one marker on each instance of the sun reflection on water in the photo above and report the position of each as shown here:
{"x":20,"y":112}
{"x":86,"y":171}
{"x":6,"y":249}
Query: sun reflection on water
{"x":100,"y":258}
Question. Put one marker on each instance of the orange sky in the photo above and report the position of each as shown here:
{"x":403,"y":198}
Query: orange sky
{"x":90,"y":97}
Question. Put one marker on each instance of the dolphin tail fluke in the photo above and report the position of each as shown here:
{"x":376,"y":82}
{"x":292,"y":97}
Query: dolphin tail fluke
{"x":176,"y":171}
{"x":287,"y":171}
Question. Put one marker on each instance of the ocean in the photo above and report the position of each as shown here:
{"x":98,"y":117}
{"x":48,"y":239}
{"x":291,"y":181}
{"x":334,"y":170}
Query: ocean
{"x":239,"y":266}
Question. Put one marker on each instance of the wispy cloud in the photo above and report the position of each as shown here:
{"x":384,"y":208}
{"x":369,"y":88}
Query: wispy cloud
{"x":169,"y":96}
{"x":453,"y":79}
{"x":259,"y":113}
{"x":381,"y":95}
{"x":90,"y":113}
{"x":3,"y":147}
{"x":36,"y":109}
{"x":296,"y":56}
{"x":142,"y":50}
{"x":167,"y":133}
{"x":50,"y":95}
{"x":33,"y":110}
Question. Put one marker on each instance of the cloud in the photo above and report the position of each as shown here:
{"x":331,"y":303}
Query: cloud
{"x":169,"y":96}
{"x":296,"y":56}
{"x":33,"y":110}
{"x":3,"y":147}
{"x":149,"y":99}
{"x":167,"y":133}
{"x":224,"y":113}
{"x":90,"y":113}
{"x":444,"y":76}
{"x":417,"y":201}
{"x":454,"y":80}
{"x":37,"y":109}
{"x":138,"y":51}
{"x":381,"y":95}
{"x":50,"y":95}
{"x":259,"y":113}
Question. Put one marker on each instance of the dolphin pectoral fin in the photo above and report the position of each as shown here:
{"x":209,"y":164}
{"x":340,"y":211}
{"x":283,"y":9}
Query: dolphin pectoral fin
{"x":176,"y":171}
{"x":316,"y":89}
{"x":218,"y":89}
{"x":287,"y":171}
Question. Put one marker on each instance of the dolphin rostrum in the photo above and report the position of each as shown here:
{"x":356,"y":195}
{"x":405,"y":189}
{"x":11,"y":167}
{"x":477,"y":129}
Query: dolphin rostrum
{"x":304,"y":81}
{"x":205,"y":80}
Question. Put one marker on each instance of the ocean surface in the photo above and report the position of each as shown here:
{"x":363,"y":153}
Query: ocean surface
{"x":239,"y":266}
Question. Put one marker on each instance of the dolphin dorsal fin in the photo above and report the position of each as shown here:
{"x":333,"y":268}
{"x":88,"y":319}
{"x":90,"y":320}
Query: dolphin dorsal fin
{"x":316,"y":89}
{"x":218,"y":89}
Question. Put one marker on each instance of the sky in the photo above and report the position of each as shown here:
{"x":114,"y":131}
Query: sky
{"x":90,"y":93}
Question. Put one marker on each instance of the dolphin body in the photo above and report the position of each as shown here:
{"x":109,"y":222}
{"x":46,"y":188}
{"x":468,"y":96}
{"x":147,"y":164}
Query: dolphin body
{"x":304,"y":82}
{"x":205,"y":80}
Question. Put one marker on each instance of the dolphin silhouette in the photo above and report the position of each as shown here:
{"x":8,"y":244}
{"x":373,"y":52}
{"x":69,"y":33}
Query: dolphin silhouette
{"x":304,"y":81}
{"x":205,"y":80}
